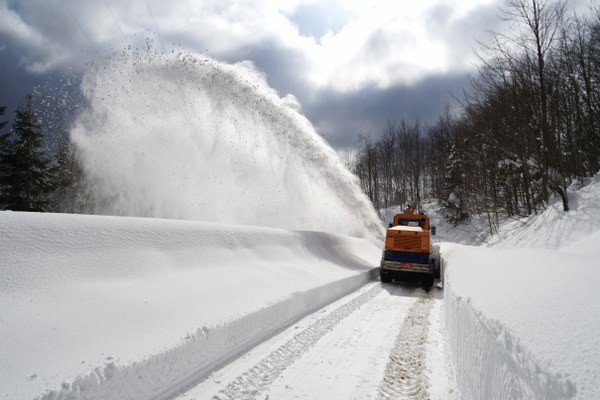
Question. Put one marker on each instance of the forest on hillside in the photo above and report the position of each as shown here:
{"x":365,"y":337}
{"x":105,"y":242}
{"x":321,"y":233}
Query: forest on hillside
{"x":525,"y":130}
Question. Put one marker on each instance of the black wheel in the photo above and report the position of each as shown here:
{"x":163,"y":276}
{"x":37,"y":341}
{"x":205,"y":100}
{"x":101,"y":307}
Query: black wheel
{"x":385,"y":277}
{"x":436,"y":268}
{"x":427,"y":283}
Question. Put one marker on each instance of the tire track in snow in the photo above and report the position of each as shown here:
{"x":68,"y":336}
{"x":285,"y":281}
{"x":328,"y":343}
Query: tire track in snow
{"x":254,"y":381}
{"x":404,"y":378}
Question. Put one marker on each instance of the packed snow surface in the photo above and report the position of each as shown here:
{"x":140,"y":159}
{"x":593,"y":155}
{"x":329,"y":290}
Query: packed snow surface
{"x":182,"y":136}
{"x":523,"y":315}
{"x":364,"y":346}
{"x":138,"y":307}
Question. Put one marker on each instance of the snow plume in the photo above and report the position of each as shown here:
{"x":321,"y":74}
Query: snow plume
{"x":186,"y":137}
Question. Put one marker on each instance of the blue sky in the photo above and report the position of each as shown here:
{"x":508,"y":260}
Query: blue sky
{"x":318,"y":18}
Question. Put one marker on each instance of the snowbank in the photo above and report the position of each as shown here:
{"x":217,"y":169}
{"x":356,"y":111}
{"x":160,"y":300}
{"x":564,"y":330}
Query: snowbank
{"x":141,"y":308}
{"x":523,"y":317}
{"x":554,"y":228}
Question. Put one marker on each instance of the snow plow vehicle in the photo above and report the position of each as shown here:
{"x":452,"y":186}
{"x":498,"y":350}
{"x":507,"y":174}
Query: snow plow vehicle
{"x":408,"y":251}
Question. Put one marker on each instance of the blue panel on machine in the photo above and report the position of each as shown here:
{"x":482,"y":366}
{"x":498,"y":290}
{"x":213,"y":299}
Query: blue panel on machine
{"x":417,"y":258}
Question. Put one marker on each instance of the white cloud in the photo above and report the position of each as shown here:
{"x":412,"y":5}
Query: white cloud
{"x":12,"y":25}
{"x":390,"y":42}
{"x":40,"y":55}
{"x":382,"y":43}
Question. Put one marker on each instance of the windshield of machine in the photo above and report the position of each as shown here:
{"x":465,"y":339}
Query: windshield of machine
{"x":411,"y":222}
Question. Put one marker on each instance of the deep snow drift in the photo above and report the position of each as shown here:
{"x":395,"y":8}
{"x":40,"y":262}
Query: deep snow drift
{"x":140,"y":308}
{"x":523,"y":316}
{"x":185,"y":137}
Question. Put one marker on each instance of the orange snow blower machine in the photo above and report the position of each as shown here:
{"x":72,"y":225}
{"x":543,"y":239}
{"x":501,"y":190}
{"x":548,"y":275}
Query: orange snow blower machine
{"x":408,"y":251}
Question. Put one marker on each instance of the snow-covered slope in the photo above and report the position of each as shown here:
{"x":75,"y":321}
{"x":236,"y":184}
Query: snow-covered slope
{"x":523,"y":316}
{"x":554,"y":228}
{"x":148,"y":306}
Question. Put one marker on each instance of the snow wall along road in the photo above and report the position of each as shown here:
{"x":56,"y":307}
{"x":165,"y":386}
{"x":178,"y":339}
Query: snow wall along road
{"x":185,"y":137}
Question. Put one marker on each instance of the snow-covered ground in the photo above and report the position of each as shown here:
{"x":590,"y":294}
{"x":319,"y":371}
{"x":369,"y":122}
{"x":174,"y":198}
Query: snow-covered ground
{"x":130,"y":308}
{"x":385,"y":341}
{"x":139,"y":308}
{"x":522,"y":315}
{"x":98,"y":307}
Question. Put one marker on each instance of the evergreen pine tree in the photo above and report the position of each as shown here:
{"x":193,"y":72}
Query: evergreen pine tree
{"x":70,"y":195}
{"x":4,"y":153}
{"x":453,"y":204}
{"x":28,"y":176}
{"x":2,"y":123}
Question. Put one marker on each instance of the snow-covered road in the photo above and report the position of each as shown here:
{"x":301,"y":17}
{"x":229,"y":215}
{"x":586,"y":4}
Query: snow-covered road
{"x":346,"y":351}
{"x":97,"y":307}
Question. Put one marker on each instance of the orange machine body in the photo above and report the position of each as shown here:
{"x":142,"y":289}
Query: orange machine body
{"x":407,"y":254}
{"x":409,"y":233}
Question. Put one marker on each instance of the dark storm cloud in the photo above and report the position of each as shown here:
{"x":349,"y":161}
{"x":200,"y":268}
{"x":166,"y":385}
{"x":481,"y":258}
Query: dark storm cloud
{"x":341,"y":118}
{"x":281,"y":64}
{"x":464,"y":34}
{"x":15,"y":82}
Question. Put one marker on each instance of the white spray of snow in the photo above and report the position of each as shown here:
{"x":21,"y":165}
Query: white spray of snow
{"x":185,"y":137}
